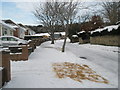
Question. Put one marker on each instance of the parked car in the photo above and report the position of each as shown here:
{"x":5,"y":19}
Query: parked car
{"x":11,"y":40}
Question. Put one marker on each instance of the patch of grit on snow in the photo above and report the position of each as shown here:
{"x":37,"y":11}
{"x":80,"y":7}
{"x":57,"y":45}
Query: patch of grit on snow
{"x":77,"y":72}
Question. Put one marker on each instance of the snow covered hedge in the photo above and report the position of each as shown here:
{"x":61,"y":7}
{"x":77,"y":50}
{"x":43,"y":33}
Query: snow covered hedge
{"x":109,"y":30}
{"x":74,"y":39}
{"x":84,"y":37}
{"x":109,"y":35}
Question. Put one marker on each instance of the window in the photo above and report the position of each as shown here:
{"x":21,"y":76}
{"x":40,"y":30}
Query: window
{"x":4,"y":31}
{"x":4,"y":39}
{"x":11,"y":33}
{"x":12,"y":39}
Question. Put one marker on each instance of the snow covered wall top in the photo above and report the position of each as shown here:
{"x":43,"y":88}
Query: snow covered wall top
{"x":108,"y":30}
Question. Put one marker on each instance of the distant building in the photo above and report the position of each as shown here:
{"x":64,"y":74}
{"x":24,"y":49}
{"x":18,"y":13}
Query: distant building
{"x":28,"y":31}
{"x":19,"y":31}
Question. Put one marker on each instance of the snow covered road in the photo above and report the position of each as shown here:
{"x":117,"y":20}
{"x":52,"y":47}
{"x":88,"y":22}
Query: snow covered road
{"x":101,"y":55}
{"x":38,"y":72}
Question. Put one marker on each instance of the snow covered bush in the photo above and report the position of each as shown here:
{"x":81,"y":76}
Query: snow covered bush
{"x":109,"y":30}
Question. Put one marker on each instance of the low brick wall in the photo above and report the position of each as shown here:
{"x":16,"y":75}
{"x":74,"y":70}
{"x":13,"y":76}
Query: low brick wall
{"x":112,"y":40}
{"x":20,"y":56}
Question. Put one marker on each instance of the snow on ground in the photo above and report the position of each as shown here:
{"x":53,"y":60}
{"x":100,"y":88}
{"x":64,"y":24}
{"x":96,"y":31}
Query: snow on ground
{"x":38,"y":72}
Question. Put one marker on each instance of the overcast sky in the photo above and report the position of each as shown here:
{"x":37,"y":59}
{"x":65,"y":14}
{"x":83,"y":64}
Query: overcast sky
{"x":21,"y":11}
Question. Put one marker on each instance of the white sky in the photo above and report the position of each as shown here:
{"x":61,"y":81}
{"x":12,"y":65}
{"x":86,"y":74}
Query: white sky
{"x":56,"y":0}
{"x":22,"y":10}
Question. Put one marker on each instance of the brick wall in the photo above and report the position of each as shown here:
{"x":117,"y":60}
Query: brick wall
{"x":0,"y":78}
{"x":20,"y":56}
{"x":16,"y":32}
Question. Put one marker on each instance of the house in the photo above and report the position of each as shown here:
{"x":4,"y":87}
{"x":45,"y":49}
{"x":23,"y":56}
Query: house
{"x":23,"y":30}
{"x":59,"y":35}
{"x":28,"y":31}
{"x":13,"y":25}
{"x":6,"y":29}
{"x":19,"y":30}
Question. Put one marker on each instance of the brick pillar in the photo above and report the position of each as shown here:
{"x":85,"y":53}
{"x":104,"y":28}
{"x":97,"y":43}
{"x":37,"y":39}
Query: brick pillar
{"x":0,"y":70}
{"x":0,"y":78}
{"x":6,"y":64}
{"x":24,"y":52}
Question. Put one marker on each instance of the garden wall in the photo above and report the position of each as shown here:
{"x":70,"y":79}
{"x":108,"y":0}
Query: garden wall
{"x":81,"y":41}
{"x":112,"y":40}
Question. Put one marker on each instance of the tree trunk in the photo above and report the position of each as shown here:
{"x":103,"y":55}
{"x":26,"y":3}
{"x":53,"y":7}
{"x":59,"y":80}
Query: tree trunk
{"x":52,"y":37}
{"x":66,"y":34}
{"x":63,"y":47}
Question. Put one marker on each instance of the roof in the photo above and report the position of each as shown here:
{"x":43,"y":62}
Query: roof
{"x":63,"y":33}
{"x":6,"y":25}
{"x":74,"y":36}
{"x":42,"y":34}
{"x":10,"y":23}
{"x":22,"y":27}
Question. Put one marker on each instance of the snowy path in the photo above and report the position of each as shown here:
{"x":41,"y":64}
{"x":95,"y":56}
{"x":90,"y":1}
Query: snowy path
{"x":37,"y":72}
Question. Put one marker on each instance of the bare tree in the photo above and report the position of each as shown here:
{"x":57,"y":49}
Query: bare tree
{"x":47,"y":16}
{"x":57,"y":13}
{"x":111,"y":10}
{"x":84,"y":18}
{"x":67,"y":13}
